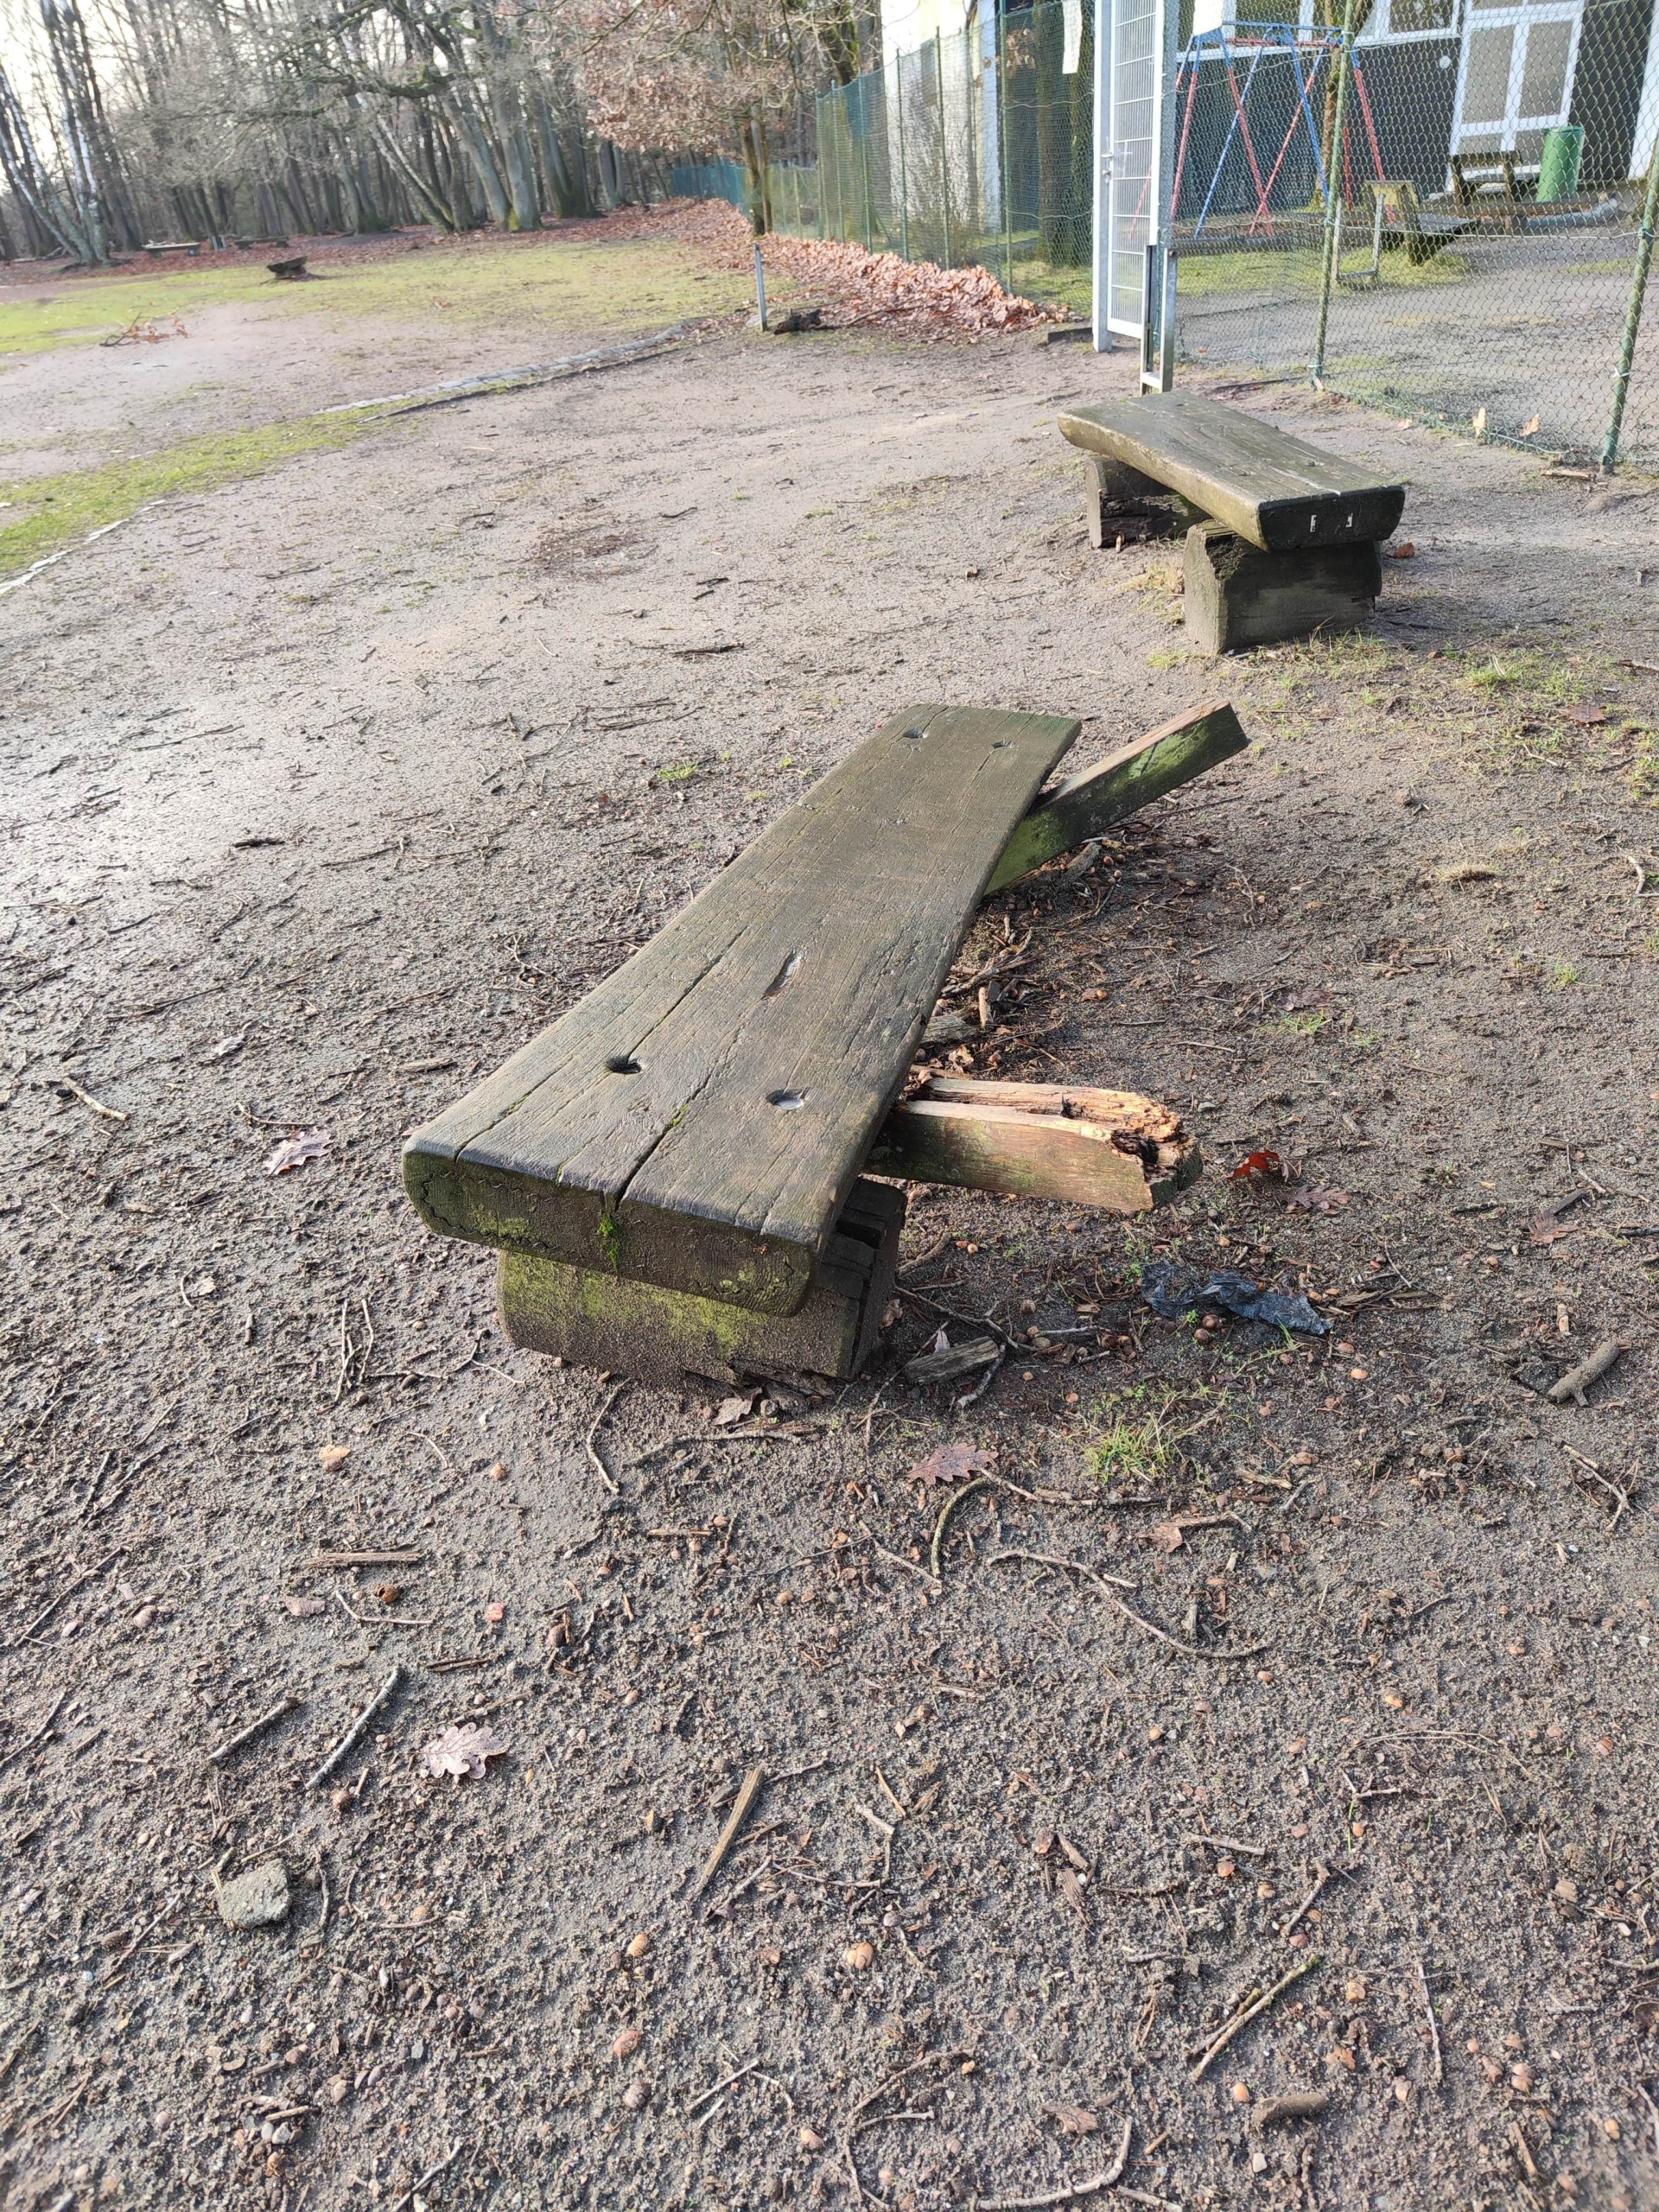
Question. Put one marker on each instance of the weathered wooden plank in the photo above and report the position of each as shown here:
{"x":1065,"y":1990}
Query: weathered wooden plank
{"x":1235,"y":596}
{"x":1277,"y":491}
{"x":1087,"y":1147}
{"x":1130,"y":778}
{"x":697,"y":1121}
{"x":599,"y":1319}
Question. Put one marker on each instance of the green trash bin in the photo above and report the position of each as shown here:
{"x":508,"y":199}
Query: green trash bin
{"x":1558,"y":165}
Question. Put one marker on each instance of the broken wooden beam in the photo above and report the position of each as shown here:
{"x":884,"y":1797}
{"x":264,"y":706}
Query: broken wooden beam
{"x":1130,"y":778}
{"x":1084,"y":1146}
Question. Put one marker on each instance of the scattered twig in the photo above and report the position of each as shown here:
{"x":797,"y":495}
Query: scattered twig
{"x":355,"y":1735}
{"x":1321,"y":1875}
{"x":1071,"y":2192}
{"x":1577,"y":1380}
{"x":67,"y":1592}
{"x":278,"y":1711}
{"x":980,"y":1482}
{"x":429,"y":2176}
{"x":320,"y":1562}
{"x":382,"y":1620}
{"x":1241,"y":2020}
{"x":110,"y":1113}
{"x":1231,"y":1843}
{"x":605,"y":1475}
{"x":740,"y":1813}
{"x":40,"y":1733}
{"x":731,"y":2081}
{"x":1220,"y":1653}
{"x":1050,"y":1559}
{"x":17,"y":2050}
{"x":1298,"y":2104}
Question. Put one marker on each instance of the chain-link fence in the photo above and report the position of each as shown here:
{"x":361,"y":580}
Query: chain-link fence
{"x":975,"y":148}
{"x":1437,"y":206}
{"x":1442,"y":219}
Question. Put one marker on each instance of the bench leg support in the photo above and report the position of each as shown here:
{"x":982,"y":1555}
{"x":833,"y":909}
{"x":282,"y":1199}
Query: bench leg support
{"x":1124,"y":505}
{"x":598,"y":1319}
{"x":1236,"y":595}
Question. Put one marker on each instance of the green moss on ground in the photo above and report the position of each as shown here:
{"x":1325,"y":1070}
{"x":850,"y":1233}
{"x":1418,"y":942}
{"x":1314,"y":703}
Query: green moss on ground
{"x":44,"y":513}
{"x":554,"y":281}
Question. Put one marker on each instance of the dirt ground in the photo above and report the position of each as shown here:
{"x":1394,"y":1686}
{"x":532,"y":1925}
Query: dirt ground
{"x":327,"y":790}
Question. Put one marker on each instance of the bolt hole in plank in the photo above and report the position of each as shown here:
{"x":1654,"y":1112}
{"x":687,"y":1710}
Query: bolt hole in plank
{"x":787,"y":1101}
{"x":785,"y":975}
{"x":621,"y":1064}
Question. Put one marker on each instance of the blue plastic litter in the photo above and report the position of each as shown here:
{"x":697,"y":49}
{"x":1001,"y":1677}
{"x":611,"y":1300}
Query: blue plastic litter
{"x":1173,"y":1291}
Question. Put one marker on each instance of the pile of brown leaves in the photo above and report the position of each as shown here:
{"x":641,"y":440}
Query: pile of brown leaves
{"x":851,"y":286}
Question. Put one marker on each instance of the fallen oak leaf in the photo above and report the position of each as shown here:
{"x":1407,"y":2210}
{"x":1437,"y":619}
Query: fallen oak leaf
{"x":1586,"y":717}
{"x":462,"y":1750}
{"x":1168,"y":1535}
{"x":951,"y":1463}
{"x":304,"y":1609}
{"x":294,"y":1152}
{"x":1073,"y":2119}
{"x":1317,"y":1198}
{"x":333,"y":1457}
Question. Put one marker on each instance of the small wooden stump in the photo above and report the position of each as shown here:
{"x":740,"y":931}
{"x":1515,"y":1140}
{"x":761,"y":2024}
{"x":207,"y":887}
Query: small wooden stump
{"x":604,"y":1320}
{"x":1237,"y":595}
{"x":292,"y":272}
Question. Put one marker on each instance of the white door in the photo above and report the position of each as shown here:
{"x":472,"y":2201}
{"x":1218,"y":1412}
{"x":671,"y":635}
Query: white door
{"x":1516,"y":80}
{"x":1128,"y":108}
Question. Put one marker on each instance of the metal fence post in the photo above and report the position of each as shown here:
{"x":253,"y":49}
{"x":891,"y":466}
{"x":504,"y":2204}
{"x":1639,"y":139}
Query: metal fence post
{"x":1004,"y":181}
{"x":1633,"y":316}
{"x":944,"y":159}
{"x":898,"y":67}
{"x":1333,"y":188}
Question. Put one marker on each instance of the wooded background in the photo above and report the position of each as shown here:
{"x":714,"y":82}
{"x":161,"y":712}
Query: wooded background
{"x":128,"y":122}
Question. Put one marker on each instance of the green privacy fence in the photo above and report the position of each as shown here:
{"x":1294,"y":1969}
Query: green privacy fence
{"x":977,"y":148}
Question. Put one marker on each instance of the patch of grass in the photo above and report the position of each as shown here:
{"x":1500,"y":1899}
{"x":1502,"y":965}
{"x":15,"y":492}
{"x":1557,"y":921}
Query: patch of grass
{"x":1562,"y":975}
{"x":1295,"y":274}
{"x":47,"y":512}
{"x":680,"y":772}
{"x":564,"y":284}
{"x":1643,"y":783}
{"x":1298,"y":1025}
{"x":1493,"y":678}
{"x":1133,"y":1441}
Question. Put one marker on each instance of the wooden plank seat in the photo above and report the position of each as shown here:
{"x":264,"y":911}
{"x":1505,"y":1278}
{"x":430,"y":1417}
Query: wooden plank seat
{"x":1283,"y":536}
{"x":671,"y":1172}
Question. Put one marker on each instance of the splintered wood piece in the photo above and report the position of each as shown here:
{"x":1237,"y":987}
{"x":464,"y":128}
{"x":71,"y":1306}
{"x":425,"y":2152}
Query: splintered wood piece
{"x":697,"y":1121}
{"x":1091,"y":1147}
{"x":1279,"y":491}
{"x":1132,"y":778}
{"x":1235,"y":596}
{"x":598,"y":1319}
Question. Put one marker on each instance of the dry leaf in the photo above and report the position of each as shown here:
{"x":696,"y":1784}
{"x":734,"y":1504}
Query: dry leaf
{"x":333,"y":1456}
{"x":951,"y":1463}
{"x":1405,"y":552}
{"x":730,"y":1410}
{"x":625,"y":2043}
{"x":1167,"y":1536}
{"x":1317,"y":1197}
{"x":462,"y":1750}
{"x":1544,"y":1229}
{"x":305,"y":1609}
{"x":388,"y":1593}
{"x":1586,"y":717}
{"x":294,"y":1152}
{"x":860,"y":1957}
{"x":1073,"y":2119}
{"x":1530,"y":430}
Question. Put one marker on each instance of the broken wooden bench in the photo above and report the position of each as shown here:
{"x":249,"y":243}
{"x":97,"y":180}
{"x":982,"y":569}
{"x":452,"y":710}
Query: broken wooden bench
{"x":1284,"y":538}
{"x":673,"y":1173}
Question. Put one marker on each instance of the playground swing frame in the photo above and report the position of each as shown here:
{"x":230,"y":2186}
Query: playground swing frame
{"x":1296,"y":40}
